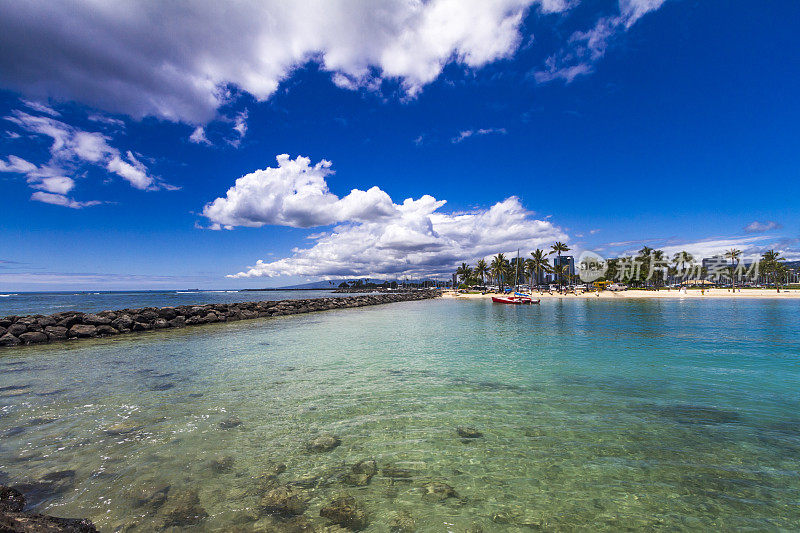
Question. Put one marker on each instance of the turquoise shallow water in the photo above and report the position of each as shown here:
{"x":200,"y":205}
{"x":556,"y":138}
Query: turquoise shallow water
{"x":596,"y":415}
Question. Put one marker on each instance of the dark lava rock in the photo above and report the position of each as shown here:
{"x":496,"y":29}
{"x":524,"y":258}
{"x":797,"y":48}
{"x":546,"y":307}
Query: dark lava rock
{"x":284,"y":500}
{"x":438,"y":492}
{"x":82,"y":330}
{"x":346,"y":512}
{"x":324,"y":443}
{"x":122,"y":323}
{"x":14,"y":520}
{"x":56,"y":332}
{"x":95,"y":320}
{"x":182,"y":509}
{"x":468,"y":433}
{"x":178,"y":322}
{"x":34,"y":337}
{"x":11,"y":500}
{"x":230,"y":422}
{"x":69,"y":321}
{"x":106,"y":330}
{"x":9,"y":340}
{"x":17,"y":329}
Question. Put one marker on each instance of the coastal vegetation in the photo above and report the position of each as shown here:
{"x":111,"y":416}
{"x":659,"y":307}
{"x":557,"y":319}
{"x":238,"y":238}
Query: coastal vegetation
{"x":649,"y":268}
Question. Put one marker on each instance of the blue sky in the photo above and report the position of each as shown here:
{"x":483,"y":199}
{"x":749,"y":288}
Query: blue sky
{"x":607,"y":125}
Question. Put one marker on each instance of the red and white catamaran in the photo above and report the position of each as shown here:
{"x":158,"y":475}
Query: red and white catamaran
{"x":516,"y":298}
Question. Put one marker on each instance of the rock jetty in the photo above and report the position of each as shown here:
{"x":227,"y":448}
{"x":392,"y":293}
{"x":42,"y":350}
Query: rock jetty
{"x":69,"y":325}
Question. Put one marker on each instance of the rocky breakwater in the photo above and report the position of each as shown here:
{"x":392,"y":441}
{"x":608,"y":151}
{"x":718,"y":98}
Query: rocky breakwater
{"x":41,"y":329}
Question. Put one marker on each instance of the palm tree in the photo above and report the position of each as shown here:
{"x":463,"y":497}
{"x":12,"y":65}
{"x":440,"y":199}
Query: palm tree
{"x":771,"y":261}
{"x":658,"y":258}
{"x":481,"y":269}
{"x":557,"y":248}
{"x":733,"y":254}
{"x":464,"y":272}
{"x":538,"y":264}
{"x":644,"y":258}
{"x":681,"y":258}
{"x":498,"y":268}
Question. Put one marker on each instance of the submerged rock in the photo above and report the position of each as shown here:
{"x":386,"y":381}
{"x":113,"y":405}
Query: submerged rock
{"x":324,"y":443}
{"x":437,"y":491}
{"x":468,"y":432}
{"x":151,"y":495}
{"x":272,"y":470}
{"x":346,"y":512}
{"x":403,"y":522}
{"x":183,"y":508}
{"x":395,"y":472}
{"x":122,"y":428}
{"x":284,"y":500}
{"x":222,"y":465}
{"x":230,"y":422}
{"x":361,"y":473}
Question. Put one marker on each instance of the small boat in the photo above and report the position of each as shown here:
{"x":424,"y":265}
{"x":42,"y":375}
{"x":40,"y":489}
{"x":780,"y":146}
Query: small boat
{"x":517,"y":300}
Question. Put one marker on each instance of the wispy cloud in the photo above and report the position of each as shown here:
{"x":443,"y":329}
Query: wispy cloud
{"x":198,"y":136}
{"x":466,"y":134}
{"x":41,"y":108}
{"x":761,"y":227}
{"x":70,"y":148}
{"x":585,"y":48}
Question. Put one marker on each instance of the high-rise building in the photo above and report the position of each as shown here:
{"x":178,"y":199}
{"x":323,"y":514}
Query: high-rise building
{"x":560,"y":261}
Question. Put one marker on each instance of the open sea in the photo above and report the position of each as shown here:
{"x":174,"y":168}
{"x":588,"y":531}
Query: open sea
{"x":46,"y":303}
{"x":595,"y":416}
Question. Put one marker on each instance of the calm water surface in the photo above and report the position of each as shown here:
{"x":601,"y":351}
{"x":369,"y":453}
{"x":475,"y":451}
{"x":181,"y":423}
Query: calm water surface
{"x":596,"y":415}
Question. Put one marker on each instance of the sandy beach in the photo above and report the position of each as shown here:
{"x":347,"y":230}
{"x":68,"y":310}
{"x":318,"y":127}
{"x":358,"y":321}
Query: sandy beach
{"x":634,"y":293}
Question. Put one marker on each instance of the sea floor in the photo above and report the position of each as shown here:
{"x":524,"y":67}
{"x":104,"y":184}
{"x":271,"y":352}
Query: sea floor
{"x":601,"y":416}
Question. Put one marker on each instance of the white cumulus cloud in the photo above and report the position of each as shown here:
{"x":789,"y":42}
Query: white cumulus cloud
{"x":371,"y":235}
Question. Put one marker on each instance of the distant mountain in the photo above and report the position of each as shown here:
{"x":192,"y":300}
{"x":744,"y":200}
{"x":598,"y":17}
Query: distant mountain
{"x":332,"y":284}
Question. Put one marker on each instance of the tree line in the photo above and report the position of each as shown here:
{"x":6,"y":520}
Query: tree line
{"x":649,"y":268}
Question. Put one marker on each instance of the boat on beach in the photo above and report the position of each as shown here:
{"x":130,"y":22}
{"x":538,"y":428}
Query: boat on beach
{"x":517,"y":299}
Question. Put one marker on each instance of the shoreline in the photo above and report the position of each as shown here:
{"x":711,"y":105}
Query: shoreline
{"x":69,"y":325}
{"x":717,"y":293}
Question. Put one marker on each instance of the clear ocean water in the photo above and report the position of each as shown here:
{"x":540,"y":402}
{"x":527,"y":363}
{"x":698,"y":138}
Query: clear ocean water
{"x":596,"y":416}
